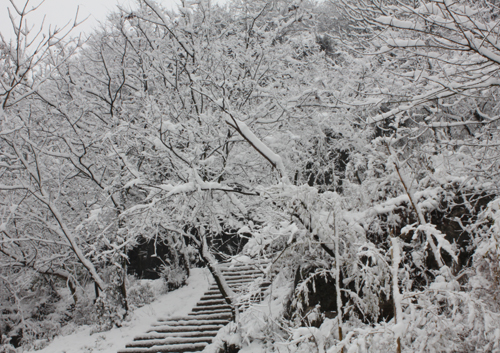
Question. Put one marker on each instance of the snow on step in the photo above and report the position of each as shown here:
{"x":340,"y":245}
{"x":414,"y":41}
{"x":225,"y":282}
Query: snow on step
{"x":212,"y":301}
{"x":158,"y":336}
{"x":185,"y":328}
{"x":169,"y":340}
{"x":242,"y":267}
{"x":206,"y":312}
{"x":214,"y":316}
{"x":215,"y":295}
{"x":240,"y":281}
{"x":214,"y":289}
{"x":212,"y":309}
{"x":241,"y":270}
{"x":203,"y":306}
{"x":192,"y":322}
{"x":178,"y":348}
{"x":241,"y":278}
{"x":220,"y":314}
{"x":212,"y":297}
{"x":242,"y":274}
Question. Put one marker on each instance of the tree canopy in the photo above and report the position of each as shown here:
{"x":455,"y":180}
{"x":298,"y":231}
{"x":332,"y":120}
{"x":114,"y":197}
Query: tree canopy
{"x":354,"y":142}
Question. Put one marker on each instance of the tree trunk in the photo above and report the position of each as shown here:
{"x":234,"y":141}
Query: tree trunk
{"x":224,"y":288}
{"x":123,"y":287}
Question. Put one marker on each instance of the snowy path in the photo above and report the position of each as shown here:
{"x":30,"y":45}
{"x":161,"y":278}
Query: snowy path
{"x":176,"y":303}
{"x":193,"y":332}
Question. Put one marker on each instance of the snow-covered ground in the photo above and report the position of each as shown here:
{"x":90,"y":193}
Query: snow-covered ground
{"x":178,"y":302}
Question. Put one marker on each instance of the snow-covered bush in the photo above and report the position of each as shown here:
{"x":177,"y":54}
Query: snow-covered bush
{"x":139,"y":293}
{"x":33,"y":311}
{"x":107,"y":313}
{"x":174,"y":276}
{"x":7,"y":348}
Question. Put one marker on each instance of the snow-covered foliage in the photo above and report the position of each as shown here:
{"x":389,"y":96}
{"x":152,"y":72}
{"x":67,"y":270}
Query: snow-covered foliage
{"x":362,"y":158}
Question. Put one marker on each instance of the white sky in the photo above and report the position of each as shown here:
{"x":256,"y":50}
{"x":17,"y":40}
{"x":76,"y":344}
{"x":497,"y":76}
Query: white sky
{"x":60,"y":12}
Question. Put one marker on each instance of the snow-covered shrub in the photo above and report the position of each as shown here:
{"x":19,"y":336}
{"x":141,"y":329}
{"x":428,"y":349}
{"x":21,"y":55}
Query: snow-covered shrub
{"x":83,"y":311}
{"x":33,"y":311}
{"x":174,"y":276}
{"x":37,"y":334}
{"x":227,"y":340}
{"x":7,"y":348}
{"x":103,"y":312}
{"x":110,"y":308}
{"x":107,"y":313}
{"x":139,"y":293}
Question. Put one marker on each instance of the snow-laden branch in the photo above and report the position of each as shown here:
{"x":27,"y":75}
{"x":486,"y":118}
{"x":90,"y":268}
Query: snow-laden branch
{"x":65,"y":233}
{"x":12,"y":187}
{"x":165,"y":21}
{"x":445,"y":29}
{"x":273,"y":158}
{"x":392,"y":204}
{"x":195,"y":184}
{"x":421,"y":219}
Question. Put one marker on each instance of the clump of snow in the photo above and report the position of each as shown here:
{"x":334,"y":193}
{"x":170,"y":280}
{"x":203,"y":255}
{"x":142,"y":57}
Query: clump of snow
{"x":176,"y":303}
{"x":241,"y":259}
{"x":493,"y":213}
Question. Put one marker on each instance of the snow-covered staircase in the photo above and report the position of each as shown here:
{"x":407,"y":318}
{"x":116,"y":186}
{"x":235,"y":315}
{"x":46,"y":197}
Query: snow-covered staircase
{"x":193,"y":332}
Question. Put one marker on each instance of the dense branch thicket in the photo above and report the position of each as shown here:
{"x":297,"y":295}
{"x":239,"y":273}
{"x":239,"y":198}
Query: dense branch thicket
{"x":353,"y":141}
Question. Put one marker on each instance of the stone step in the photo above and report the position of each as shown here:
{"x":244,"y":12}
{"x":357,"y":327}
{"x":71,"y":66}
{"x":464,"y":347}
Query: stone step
{"x":212,"y":297}
{"x":168,"y":328}
{"x":213,"y":316}
{"x":249,"y":273}
{"x":213,"y":291}
{"x":177,"y":348}
{"x":169,"y":340}
{"x":242,"y":271}
{"x":206,"y":294}
{"x":202,"y":307}
{"x":241,"y":263}
{"x":214,"y":288}
{"x":239,"y":268}
{"x":231,"y":285}
{"x":207,"y":312}
{"x":219,"y":301}
{"x":192,"y":322}
{"x":235,"y":285}
{"x":240,"y":280}
{"x":157,"y":336}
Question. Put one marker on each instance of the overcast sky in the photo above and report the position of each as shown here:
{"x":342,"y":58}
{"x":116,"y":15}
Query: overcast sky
{"x":59,"y":12}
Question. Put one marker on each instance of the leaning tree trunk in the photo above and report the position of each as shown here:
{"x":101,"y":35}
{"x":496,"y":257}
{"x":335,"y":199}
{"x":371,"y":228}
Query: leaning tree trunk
{"x":224,"y":288}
